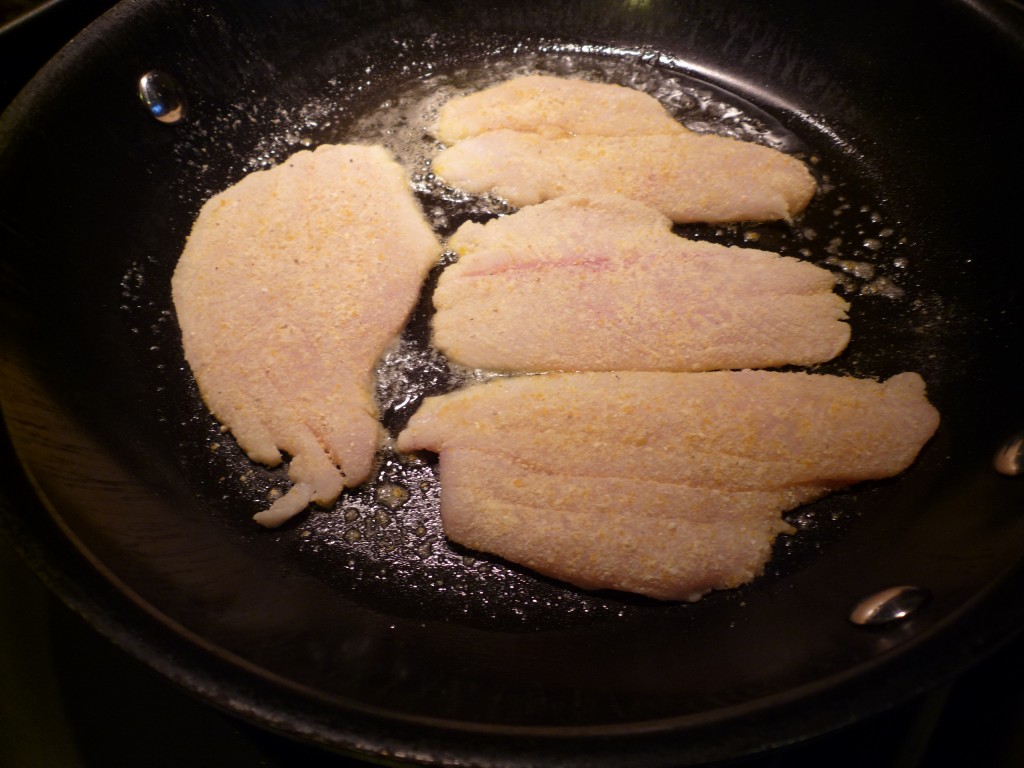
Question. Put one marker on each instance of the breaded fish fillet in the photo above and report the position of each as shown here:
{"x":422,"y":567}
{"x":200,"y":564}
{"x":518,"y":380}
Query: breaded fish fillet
{"x":291,"y":285}
{"x":601,"y":283}
{"x":688,"y":177}
{"x":664,"y":484}
{"x":536,"y":138}
{"x":555,"y":106}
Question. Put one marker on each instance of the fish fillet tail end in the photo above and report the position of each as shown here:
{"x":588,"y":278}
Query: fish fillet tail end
{"x":286,"y":507}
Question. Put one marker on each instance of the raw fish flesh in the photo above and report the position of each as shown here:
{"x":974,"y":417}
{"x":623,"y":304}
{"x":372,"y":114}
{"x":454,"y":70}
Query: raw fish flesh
{"x":601,"y":283}
{"x":664,"y":484}
{"x":292,"y":284}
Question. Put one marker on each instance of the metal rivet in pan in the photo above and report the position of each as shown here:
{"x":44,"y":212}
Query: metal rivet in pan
{"x":162,"y":97}
{"x":1010,"y":457}
{"x":888,"y":606}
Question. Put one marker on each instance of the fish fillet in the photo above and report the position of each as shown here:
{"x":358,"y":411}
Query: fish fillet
{"x":601,"y":283}
{"x":291,"y":285}
{"x":539,"y":138}
{"x":664,"y":484}
{"x":554,"y":106}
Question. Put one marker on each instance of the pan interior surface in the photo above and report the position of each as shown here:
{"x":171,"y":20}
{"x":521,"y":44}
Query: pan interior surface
{"x":361,"y":626}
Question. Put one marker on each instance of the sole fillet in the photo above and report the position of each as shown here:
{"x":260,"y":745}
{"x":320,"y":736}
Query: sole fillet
{"x":664,"y":484}
{"x":536,"y":138}
{"x":292,"y":284}
{"x":600,"y":283}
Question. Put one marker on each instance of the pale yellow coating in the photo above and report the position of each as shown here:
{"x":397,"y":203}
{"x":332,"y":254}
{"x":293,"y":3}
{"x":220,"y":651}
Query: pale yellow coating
{"x":602,"y":283}
{"x":665,"y":484}
{"x":536,"y":138}
{"x":689,"y":177}
{"x":291,"y":285}
{"x":555,"y":106}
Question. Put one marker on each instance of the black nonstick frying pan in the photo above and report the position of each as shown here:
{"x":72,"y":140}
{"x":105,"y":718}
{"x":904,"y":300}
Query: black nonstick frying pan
{"x":359,"y":627}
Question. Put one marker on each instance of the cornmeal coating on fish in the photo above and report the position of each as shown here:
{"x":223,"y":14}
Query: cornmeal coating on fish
{"x":600,"y":283}
{"x":555,"y":106}
{"x":664,"y":484}
{"x":292,"y":284}
{"x":689,"y":178}
{"x":518,"y":152}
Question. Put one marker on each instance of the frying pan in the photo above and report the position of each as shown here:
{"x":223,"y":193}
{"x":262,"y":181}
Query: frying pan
{"x":360,"y":628}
